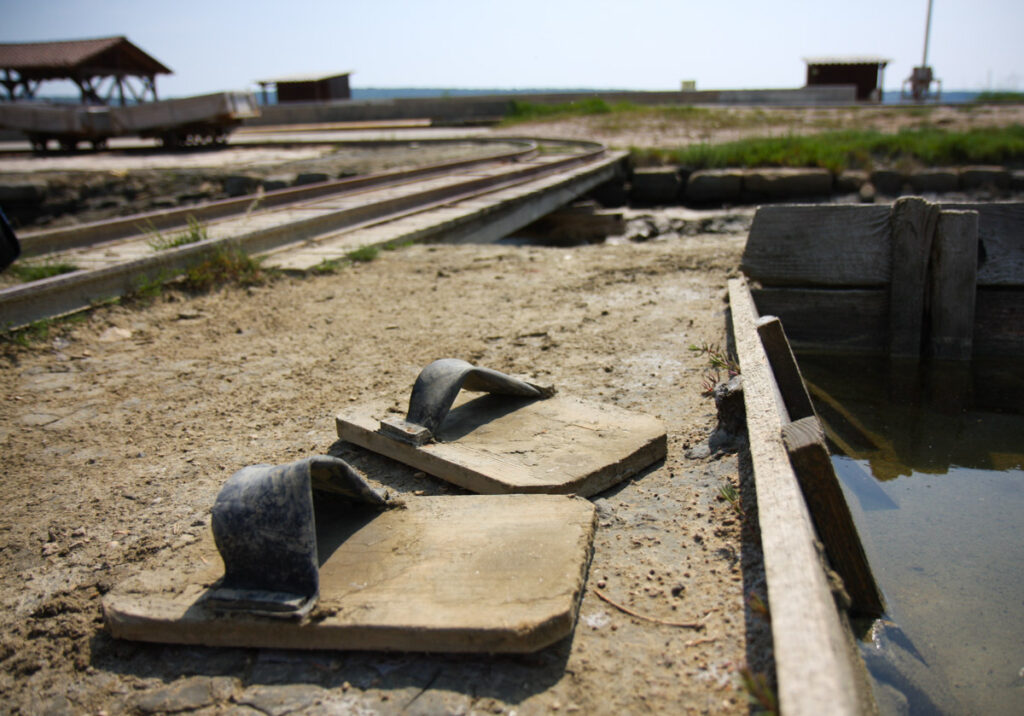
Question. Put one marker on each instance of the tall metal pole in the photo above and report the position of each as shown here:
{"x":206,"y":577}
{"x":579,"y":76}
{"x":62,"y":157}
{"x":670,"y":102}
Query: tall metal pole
{"x":927,"y":33}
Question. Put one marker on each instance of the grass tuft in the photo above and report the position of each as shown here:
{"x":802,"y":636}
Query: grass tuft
{"x":760,"y":695}
{"x":727,"y":492}
{"x":195,"y":233}
{"x":363,"y":254}
{"x":225,"y":265}
{"x":40,"y":331}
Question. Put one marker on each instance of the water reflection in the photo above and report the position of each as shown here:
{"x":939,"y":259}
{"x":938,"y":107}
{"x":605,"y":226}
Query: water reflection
{"x":932,"y":463}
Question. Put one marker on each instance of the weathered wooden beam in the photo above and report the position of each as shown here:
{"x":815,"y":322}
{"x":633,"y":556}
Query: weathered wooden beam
{"x":1000,"y":242}
{"x":785,"y":368}
{"x":813,"y":663}
{"x":953,"y":285}
{"x":830,"y":320}
{"x":913,"y":226}
{"x":805,"y":443}
{"x":999,"y":322}
{"x":812,"y":245}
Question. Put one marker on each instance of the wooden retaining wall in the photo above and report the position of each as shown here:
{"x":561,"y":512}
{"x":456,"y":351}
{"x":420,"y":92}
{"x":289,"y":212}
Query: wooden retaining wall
{"x":916,"y":278}
{"x":799,"y":501}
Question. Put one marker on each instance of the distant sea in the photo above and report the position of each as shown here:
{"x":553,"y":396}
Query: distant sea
{"x":381,"y":93}
{"x":890,"y":97}
{"x":429,"y":92}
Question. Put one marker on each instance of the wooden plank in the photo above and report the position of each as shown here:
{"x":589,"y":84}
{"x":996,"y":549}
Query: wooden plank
{"x":999,"y":322}
{"x":805,"y":443}
{"x":813,"y":661}
{"x":953,"y":284}
{"x":819,"y":245}
{"x":785,"y":368}
{"x":1001,"y":237}
{"x":830,"y":320}
{"x":913,"y":223}
{"x":497,"y":444}
{"x":446,"y":574}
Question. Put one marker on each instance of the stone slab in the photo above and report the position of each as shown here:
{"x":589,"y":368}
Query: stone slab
{"x":983,"y":177}
{"x":935,"y":180}
{"x":779,"y":183}
{"x":655,"y":186}
{"x":714,"y":185}
{"x":495,"y":444}
{"x":473,"y":573}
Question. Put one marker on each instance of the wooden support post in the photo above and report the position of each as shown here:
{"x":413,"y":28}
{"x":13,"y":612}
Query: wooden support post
{"x":913,"y":223}
{"x":814,"y":662}
{"x":784,"y":366}
{"x":805,"y":443}
{"x":954,"y":285}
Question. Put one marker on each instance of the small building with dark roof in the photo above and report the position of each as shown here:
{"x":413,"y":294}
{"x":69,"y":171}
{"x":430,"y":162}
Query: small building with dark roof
{"x":88,"y":63}
{"x":865,"y":72}
{"x":308,"y":88}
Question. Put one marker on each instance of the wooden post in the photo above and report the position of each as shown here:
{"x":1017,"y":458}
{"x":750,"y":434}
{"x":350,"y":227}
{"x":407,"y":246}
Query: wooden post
{"x":814,"y":663}
{"x":784,"y":366}
{"x":954,"y":285}
{"x":912,"y":222}
{"x":805,"y":443}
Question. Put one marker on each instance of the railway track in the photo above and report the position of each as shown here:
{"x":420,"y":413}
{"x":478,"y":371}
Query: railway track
{"x":300,"y":228}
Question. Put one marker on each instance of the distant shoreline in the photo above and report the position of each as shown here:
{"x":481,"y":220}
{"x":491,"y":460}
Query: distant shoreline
{"x":891,"y":97}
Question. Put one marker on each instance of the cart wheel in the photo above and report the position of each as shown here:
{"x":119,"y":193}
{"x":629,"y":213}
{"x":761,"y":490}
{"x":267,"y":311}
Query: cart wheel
{"x":99,"y":145}
{"x":69,"y":145}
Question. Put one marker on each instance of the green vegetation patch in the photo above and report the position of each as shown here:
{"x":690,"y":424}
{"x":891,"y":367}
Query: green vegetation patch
{"x":39,"y":332}
{"x":999,"y":97}
{"x":532,"y":111}
{"x":852,"y":149}
{"x":618,"y":115}
{"x":28,"y":271}
{"x":363,"y":254}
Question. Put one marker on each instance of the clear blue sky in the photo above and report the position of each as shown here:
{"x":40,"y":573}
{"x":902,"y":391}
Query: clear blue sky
{"x":644,"y":44}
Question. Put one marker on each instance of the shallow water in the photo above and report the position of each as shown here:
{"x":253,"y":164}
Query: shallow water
{"x":932,"y":464}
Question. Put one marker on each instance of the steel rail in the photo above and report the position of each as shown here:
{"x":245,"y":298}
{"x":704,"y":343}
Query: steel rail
{"x":58,"y":295}
{"x":52,"y":240}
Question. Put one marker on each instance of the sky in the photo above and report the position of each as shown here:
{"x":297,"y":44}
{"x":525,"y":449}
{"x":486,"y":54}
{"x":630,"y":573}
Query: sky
{"x":214,"y":45}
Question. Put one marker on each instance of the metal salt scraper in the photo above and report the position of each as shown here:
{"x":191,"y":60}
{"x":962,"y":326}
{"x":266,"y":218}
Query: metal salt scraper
{"x":516,"y":437}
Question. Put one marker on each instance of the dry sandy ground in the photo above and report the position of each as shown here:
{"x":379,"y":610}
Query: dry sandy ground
{"x":117,"y":433}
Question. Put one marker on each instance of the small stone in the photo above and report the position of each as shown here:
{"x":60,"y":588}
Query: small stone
{"x":284,"y":699}
{"x":712,"y":185}
{"x":187,"y":694}
{"x":114,"y":334}
{"x":867,"y":193}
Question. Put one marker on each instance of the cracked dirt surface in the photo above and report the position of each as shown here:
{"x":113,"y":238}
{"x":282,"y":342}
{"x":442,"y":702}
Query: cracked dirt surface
{"x":118,"y":431}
